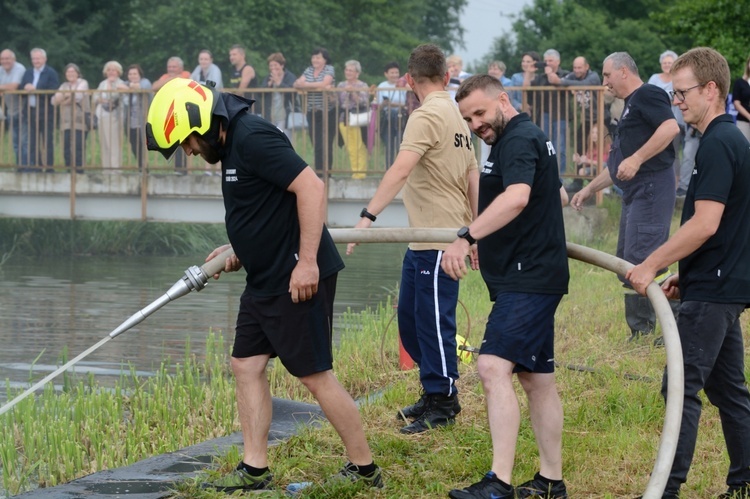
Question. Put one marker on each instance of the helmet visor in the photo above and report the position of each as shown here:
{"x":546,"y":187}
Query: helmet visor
{"x":152,"y":145}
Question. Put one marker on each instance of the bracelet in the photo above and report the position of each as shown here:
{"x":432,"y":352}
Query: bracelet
{"x":366,"y":214}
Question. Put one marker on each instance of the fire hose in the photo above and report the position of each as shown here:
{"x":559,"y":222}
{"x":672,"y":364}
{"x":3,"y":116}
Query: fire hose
{"x":196,"y":278}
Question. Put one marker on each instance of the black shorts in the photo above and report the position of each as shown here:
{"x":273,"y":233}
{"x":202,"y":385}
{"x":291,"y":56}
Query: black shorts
{"x":521,"y":329}
{"x":299,"y":334}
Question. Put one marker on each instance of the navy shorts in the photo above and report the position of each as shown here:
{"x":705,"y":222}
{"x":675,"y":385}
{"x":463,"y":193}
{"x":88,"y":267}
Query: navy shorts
{"x":521,"y":329}
{"x":299,"y":334}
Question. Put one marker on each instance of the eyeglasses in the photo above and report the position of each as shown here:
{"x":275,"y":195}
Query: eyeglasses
{"x":681,"y":93}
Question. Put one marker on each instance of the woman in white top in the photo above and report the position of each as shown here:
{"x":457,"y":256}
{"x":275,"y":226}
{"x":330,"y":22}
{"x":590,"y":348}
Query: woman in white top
{"x":354,"y":99}
{"x":109,"y":113}
{"x":663,"y":80}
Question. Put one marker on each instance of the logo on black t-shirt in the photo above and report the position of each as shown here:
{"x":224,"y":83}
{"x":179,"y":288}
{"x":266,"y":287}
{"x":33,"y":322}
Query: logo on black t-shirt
{"x":550,"y":148}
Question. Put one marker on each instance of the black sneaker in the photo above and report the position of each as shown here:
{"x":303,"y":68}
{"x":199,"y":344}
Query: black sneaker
{"x":539,"y":487}
{"x":737,"y":492}
{"x":415,"y":410}
{"x":489,"y":487}
{"x":239,"y":479}
{"x":441,"y":411}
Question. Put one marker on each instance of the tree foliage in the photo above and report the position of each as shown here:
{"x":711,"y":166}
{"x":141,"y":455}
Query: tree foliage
{"x":720,"y":24}
{"x":90,"y":33}
{"x":595,"y":29}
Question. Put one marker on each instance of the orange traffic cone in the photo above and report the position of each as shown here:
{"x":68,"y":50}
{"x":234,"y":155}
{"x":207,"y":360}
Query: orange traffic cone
{"x":405,"y":361}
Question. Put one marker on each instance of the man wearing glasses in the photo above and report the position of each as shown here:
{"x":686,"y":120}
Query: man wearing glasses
{"x":713,"y":248}
{"x":640,"y":163}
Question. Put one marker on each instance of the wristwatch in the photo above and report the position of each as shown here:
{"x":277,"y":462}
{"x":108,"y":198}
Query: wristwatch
{"x":366,"y":214}
{"x":464,"y":233}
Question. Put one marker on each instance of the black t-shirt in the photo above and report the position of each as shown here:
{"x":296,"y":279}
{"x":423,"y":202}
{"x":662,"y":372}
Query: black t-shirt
{"x":719,"y":271}
{"x":741,"y":92}
{"x":528,"y":255}
{"x":645,"y":110}
{"x":258,"y":165}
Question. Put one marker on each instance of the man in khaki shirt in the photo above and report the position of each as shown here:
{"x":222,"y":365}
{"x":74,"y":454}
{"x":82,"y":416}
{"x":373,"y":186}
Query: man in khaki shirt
{"x":437,"y":165}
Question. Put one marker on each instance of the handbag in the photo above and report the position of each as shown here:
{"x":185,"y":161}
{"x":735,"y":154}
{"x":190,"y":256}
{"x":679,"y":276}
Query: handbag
{"x":296,"y":120}
{"x":89,"y":121}
{"x":359,"y":119}
{"x":110,"y":105}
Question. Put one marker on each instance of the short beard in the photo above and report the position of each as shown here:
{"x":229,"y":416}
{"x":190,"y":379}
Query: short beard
{"x":498,"y":126}
{"x":211,"y":155}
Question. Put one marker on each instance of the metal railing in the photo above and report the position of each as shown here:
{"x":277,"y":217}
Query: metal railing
{"x":55,"y":133}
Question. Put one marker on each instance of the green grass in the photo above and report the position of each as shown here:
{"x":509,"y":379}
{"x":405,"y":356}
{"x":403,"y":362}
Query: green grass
{"x":611,"y":433}
{"x":43,"y":237}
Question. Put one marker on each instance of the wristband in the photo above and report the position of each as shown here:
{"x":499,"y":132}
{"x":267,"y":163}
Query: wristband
{"x":366,"y":214}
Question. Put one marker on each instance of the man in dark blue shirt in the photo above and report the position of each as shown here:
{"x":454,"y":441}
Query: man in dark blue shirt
{"x":713,"y":248}
{"x":640,"y":163}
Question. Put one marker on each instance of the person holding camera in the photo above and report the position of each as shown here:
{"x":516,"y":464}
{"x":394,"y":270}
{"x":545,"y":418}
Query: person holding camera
{"x":549,"y":106}
{"x":523,"y":79}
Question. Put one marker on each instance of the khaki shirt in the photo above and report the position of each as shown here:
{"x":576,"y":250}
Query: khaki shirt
{"x":436,"y":193}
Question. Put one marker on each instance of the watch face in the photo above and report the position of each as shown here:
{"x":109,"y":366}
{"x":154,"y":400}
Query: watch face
{"x":463,"y":233}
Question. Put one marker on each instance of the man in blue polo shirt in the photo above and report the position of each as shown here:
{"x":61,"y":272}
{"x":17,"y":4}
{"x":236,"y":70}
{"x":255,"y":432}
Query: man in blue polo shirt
{"x":713,"y":249}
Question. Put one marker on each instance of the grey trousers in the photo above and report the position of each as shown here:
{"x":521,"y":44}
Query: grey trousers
{"x":647,"y":206}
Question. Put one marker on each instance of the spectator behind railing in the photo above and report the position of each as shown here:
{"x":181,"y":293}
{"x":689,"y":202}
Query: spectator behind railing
{"x":109,"y":115}
{"x":550,"y":107}
{"x":321,"y":113}
{"x":392,"y":102}
{"x":354,"y":101}
{"x":175,"y":69}
{"x":276,"y":105}
{"x":11,"y":74}
{"x":206,"y":70}
{"x":497,"y":69}
{"x":38,"y":123}
{"x":663,"y":80}
{"x":741,"y":100}
{"x":529,"y":68}
{"x":75,"y":110}
{"x":588,"y":162}
{"x":242,"y":75}
{"x":339,"y":162}
{"x":136,"y":107}
{"x":584,"y":102}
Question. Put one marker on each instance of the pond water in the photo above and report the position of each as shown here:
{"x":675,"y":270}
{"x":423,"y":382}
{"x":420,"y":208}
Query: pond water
{"x":49,"y":305}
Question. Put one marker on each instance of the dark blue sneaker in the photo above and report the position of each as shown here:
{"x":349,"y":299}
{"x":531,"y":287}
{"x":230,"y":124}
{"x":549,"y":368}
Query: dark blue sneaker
{"x":489,"y":487}
{"x":539,"y":487}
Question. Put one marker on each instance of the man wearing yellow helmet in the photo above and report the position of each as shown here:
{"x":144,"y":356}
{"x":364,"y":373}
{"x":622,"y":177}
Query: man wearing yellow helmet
{"x":275,"y":212}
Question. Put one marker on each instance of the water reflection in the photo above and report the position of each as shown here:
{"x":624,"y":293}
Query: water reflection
{"x":49,"y":305}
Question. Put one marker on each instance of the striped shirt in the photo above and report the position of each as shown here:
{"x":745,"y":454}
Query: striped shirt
{"x":315,"y":99}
